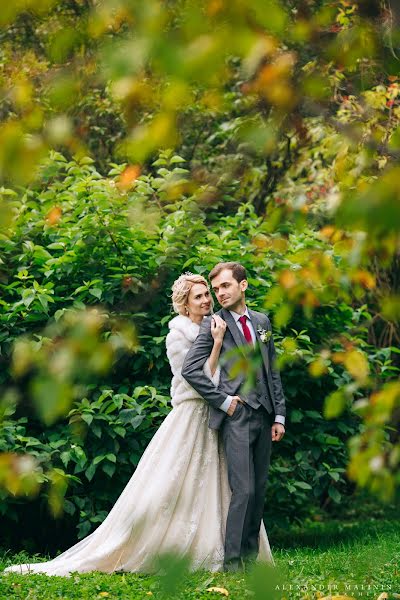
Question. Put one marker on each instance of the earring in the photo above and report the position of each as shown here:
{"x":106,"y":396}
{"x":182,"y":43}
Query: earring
{"x":187,"y":311}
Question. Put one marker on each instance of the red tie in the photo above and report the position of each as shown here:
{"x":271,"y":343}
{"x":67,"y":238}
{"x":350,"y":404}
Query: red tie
{"x":246,"y":330}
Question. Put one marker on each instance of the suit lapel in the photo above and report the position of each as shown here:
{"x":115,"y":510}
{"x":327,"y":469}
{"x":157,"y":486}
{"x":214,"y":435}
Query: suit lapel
{"x":263,"y":345}
{"x":233,"y":328}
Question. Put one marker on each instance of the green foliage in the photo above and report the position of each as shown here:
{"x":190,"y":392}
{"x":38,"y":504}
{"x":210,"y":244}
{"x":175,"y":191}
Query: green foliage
{"x":102,"y":438}
{"x":114,"y":245}
{"x":286,"y":123}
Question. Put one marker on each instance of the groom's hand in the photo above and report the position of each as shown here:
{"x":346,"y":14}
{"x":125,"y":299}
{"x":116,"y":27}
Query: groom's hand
{"x":277,"y":431}
{"x":232,"y":408}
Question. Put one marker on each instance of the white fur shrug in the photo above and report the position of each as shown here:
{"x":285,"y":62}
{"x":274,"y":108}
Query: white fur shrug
{"x":181,"y":335}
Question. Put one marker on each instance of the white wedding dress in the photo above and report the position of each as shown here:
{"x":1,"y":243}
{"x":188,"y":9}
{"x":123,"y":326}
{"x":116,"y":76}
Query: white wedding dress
{"x":176,"y":500}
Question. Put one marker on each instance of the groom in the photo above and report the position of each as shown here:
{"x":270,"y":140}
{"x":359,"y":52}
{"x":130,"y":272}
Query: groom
{"x":248,"y":419}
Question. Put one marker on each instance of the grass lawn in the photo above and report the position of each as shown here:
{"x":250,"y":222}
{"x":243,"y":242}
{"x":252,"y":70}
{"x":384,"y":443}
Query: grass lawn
{"x":359,"y":560}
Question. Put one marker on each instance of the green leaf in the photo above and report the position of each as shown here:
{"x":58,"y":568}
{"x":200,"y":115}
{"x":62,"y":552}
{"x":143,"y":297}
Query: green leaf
{"x":333,"y":440}
{"x":159,"y":162}
{"x":176,"y":159}
{"x":313,"y":414}
{"x":59,"y":313}
{"x":283,"y":469}
{"x":95,"y":427}
{"x":334,"y":494}
{"x":83,"y":529}
{"x":296,"y":416}
{"x":96,"y":292}
{"x":56,"y":246}
{"x":69,"y":507}
{"x":28,"y":298}
{"x":127,"y":414}
{"x":43,"y":301}
{"x":65,"y":458}
{"x":121,"y":431}
{"x":303,"y":485}
{"x":87,"y":417}
{"x":90,"y":471}
{"x":136,"y":421}
{"x":108,"y":468}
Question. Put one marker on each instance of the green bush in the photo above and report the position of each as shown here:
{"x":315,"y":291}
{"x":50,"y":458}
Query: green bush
{"x":117,"y":243}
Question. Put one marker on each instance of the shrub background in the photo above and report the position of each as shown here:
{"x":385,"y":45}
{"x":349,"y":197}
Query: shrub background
{"x":81,"y":239}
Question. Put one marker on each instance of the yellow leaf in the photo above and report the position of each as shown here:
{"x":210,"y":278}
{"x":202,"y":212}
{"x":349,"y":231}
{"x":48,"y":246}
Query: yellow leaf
{"x":128,"y":176}
{"x":317,"y":368}
{"x":338,"y":357}
{"x":104,"y":594}
{"x":356,"y":364}
{"x":366,"y":279}
{"x":338,"y":598}
{"x":287,"y":279}
{"x":334,"y":405}
{"x":218,"y":590}
{"x":54,"y":215}
{"x":327,"y":232}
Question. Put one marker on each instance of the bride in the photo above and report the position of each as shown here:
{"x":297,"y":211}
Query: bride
{"x":177,"y":499}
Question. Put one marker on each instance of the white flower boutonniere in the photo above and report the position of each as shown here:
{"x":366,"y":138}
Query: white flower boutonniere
{"x":264,"y":335}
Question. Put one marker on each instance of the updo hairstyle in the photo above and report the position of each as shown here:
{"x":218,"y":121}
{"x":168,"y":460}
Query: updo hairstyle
{"x":181,"y":290}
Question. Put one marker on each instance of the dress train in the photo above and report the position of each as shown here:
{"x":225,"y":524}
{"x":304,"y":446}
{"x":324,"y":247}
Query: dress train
{"x":176,"y":501}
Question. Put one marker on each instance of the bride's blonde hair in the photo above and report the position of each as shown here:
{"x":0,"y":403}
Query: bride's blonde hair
{"x":181,"y":290}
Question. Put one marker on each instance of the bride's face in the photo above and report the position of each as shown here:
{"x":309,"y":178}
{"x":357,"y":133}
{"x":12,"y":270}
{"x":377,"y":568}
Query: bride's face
{"x":199,"y":301}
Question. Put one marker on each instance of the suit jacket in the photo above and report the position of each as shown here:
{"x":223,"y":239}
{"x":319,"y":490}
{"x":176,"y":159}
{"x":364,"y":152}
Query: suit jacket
{"x":192,"y":369}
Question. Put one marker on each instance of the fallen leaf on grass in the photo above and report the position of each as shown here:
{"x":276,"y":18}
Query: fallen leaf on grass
{"x":338,"y":598}
{"x":218,"y":590}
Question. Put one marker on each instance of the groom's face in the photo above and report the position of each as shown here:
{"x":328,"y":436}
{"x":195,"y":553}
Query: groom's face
{"x":228,"y":291}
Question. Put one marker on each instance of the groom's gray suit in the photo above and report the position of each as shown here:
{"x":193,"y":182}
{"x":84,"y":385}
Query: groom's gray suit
{"x":247,"y":433}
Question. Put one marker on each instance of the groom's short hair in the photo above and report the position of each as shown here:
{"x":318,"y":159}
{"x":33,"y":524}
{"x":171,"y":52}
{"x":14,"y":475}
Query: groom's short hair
{"x":238,"y":270}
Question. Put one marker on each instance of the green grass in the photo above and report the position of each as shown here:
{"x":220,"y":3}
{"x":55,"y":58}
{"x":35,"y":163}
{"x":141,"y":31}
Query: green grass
{"x":361,"y":559}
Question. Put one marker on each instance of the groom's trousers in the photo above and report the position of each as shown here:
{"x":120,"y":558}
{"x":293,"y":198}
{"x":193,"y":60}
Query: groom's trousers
{"x":247,"y":442}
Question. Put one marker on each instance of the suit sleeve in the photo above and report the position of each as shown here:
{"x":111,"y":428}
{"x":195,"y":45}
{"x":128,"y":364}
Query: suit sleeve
{"x":193,"y":365}
{"x":280,"y":402}
{"x":207,"y":372}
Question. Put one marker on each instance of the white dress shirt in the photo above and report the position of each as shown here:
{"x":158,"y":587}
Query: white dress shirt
{"x":226,"y":404}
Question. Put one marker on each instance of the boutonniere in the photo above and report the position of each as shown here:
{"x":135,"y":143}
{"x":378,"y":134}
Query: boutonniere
{"x":264,"y":335}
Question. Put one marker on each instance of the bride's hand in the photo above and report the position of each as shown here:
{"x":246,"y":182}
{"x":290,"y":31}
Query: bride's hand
{"x":218,"y":327}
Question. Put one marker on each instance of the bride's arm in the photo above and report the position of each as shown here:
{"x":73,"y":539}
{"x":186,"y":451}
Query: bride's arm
{"x":211,"y":368}
{"x":214,"y":356}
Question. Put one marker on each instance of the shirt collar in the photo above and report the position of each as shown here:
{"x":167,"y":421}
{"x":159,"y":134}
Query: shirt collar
{"x":236,"y":315}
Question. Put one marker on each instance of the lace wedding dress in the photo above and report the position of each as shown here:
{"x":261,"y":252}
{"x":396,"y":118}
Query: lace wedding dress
{"x":176,"y":500}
